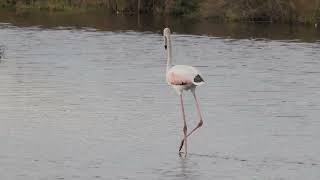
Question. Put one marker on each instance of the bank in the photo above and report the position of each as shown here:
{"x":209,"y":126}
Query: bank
{"x":284,"y":11}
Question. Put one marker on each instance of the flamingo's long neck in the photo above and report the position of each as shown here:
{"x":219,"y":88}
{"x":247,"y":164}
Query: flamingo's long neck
{"x":169,"y":53}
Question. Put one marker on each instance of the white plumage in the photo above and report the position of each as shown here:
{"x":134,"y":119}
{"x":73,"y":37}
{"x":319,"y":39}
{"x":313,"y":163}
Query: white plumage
{"x":186,"y":77}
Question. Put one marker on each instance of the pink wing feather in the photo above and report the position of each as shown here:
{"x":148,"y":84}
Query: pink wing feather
{"x":176,"y":79}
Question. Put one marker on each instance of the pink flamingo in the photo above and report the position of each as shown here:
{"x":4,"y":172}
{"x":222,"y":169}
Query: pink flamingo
{"x":182,"y":78}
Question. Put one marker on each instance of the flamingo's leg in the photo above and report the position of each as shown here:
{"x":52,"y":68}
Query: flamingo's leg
{"x":184,"y":126}
{"x":200,"y":117}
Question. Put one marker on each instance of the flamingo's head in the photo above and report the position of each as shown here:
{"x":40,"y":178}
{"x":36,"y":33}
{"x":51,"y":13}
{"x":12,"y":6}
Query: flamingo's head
{"x":166,"y":35}
{"x":166,"y":32}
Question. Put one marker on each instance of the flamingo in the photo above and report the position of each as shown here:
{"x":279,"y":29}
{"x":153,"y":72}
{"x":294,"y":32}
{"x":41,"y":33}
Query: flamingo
{"x":182,"y":78}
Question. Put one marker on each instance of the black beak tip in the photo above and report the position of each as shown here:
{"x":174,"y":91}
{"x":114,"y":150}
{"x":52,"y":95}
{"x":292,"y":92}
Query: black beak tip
{"x":165,"y":47}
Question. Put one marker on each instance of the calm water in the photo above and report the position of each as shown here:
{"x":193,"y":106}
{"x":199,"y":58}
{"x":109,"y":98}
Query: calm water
{"x":91,"y":102}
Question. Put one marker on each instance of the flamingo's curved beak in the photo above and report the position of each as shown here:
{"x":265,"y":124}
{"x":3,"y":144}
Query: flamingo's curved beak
{"x":165,"y":43}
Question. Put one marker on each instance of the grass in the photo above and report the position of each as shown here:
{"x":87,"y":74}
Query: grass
{"x":286,"y":11}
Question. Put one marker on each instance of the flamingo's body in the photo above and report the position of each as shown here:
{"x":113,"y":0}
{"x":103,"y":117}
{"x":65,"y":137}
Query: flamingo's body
{"x":182,"y":78}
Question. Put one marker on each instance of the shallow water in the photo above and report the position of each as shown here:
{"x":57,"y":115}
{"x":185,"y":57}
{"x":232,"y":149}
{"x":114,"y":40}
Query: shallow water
{"x":77,"y":103}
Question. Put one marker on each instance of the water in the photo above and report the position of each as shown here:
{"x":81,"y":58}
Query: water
{"x":92,"y":103}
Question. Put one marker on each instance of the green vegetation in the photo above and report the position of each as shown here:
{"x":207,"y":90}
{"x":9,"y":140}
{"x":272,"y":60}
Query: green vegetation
{"x":51,"y":5}
{"x":289,"y":11}
{"x":305,"y":11}
{"x":185,"y":8}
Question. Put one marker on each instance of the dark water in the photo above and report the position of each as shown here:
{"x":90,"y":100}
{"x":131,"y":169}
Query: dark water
{"x":145,"y":23}
{"x":87,"y":99}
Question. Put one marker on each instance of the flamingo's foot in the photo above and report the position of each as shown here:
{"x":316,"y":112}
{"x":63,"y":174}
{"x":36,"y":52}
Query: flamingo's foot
{"x":182,"y":154}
